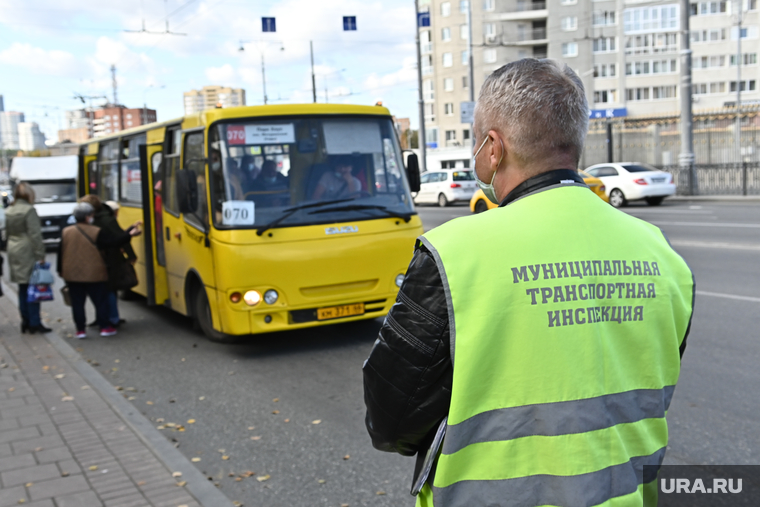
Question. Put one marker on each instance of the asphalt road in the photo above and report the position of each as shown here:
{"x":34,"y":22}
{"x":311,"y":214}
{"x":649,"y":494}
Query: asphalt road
{"x":289,"y":406}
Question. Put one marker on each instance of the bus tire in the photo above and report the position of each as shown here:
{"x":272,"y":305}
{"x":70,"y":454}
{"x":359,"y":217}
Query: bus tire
{"x":202,"y":318}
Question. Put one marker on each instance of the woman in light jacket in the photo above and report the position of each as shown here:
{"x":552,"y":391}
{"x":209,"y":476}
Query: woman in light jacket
{"x":25,"y":248}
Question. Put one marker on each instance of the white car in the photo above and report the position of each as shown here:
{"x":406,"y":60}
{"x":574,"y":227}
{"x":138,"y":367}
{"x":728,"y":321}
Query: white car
{"x":633,"y":181}
{"x":446,"y":186}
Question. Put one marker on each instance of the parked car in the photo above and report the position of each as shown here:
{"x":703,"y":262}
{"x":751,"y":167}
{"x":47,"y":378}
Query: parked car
{"x":480,"y":203}
{"x":446,"y":186}
{"x":633,"y":181}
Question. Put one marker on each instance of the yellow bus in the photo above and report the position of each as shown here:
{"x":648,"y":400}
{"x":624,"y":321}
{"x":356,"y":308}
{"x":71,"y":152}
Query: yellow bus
{"x":266,"y":218}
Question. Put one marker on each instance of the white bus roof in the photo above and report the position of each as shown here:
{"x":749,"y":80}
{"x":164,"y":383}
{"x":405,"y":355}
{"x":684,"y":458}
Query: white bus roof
{"x":44,"y":168}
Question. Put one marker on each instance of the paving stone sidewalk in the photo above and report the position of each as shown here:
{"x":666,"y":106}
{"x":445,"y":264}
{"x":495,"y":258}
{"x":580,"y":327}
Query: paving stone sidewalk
{"x":62,"y":444}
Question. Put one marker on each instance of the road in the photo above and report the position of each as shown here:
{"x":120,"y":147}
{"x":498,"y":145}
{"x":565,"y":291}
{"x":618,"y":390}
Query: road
{"x":289,"y":405}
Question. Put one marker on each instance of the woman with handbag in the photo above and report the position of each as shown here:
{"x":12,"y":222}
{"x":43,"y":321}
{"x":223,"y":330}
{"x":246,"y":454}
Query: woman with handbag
{"x":82,"y":266}
{"x":25,"y":250}
{"x":119,"y":260}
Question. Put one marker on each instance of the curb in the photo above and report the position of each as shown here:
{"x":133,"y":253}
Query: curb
{"x":731,"y":198}
{"x":197,"y":485}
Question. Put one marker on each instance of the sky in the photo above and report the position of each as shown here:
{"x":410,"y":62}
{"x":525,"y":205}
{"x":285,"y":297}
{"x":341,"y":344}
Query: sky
{"x":51,"y":50}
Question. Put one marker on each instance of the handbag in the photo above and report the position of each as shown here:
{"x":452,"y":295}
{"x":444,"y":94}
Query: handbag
{"x":121,"y":275}
{"x":41,"y":275}
{"x":39,"y":293}
{"x":66,"y":295}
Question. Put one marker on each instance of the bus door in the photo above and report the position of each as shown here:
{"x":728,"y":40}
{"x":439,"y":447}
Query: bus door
{"x":151,"y":156}
{"x":186,"y":224}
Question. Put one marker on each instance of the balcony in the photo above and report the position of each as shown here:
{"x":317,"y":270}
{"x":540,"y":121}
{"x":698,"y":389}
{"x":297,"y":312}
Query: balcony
{"x":522,"y":11}
{"x":426,"y":47}
{"x":427,"y":70}
{"x":528,"y":37}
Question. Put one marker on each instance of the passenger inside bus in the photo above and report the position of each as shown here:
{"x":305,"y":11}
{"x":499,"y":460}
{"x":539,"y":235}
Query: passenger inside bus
{"x":272,"y":184}
{"x":338,"y":183}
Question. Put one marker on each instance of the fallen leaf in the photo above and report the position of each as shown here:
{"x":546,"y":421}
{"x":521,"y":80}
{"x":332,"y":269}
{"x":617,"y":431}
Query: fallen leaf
{"x":131,"y":389}
{"x":237,"y":504}
{"x":171,"y":425}
{"x":64,"y":474}
{"x":21,"y":500}
{"x":238,"y":479}
{"x":275,"y":411}
{"x":84,"y":388}
{"x":346,"y":456}
{"x":181,"y":483}
{"x":180,"y":428}
{"x":37,"y":449}
{"x":276,"y":400}
{"x":191,"y":421}
{"x":344,"y":505}
{"x":131,"y":398}
{"x":195,"y":460}
{"x":202,"y":398}
{"x":183,"y":359}
{"x":160,"y":427}
{"x":316,"y":421}
{"x":11,"y":389}
{"x":114,"y":369}
{"x":230,"y":373}
{"x":149,"y":403}
{"x":247,"y":473}
{"x":59,"y":376}
{"x":67,"y":398}
{"x":29,"y":484}
{"x":93,"y":468}
{"x":251,"y":427}
{"x":142,"y":483}
{"x":263,"y":478}
{"x":287,"y":420}
{"x":231,"y":474}
{"x":321,"y":481}
{"x":116,"y":361}
{"x":225,"y":458}
{"x":256,"y":438}
{"x":177,"y":474}
{"x":380,"y":493}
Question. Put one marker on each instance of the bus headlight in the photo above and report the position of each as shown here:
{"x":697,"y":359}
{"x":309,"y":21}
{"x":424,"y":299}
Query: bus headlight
{"x":271,"y":296}
{"x":252,"y":298}
{"x":399,"y":280}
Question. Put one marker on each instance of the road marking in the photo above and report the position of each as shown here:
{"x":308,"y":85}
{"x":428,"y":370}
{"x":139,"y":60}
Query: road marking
{"x":705,"y":244}
{"x":727,"y":296}
{"x":706,"y":224}
{"x":664,"y":211}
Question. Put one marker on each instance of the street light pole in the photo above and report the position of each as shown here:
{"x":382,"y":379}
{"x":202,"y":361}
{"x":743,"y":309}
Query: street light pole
{"x":313,"y":79}
{"x":421,"y":139}
{"x":263,"y":77}
{"x":471,"y":71}
{"x":738,"y":127}
{"x":686,"y":157}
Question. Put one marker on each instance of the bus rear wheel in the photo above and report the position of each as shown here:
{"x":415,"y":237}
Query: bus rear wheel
{"x":202,"y":317}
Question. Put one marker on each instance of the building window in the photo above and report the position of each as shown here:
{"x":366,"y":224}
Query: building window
{"x":445,"y":34}
{"x":489,"y":55}
{"x":463,"y":6}
{"x":489,"y":5}
{"x":651,"y":43}
{"x":465,"y":58}
{"x":451,"y":135}
{"x":428,"y":91}
{"x":714,"y":35}
{"x":604,"y":18}
{"x":605,"y":45}
{"x":711,"y":88}
{"x":448,"y":61}
{"x":708,"y":8}
{"x":605,"y":70}
{"x":651,"y":19}
{"x":448,"y":108}
{"x":747,"y":59}
{"x":709,"y":62}
{"x":431,"y":135}
{"x":605,"y":96}
{"x":448,"y":84}
{"x":569,"y":49}
{"x":430,"y":112}
{"x":466,"y":134}
{"x":746,"y":85}
{"x":718,"y":87}
{"x":636,"y":94}
{"x":464,"y":82}
{"x":569,"y":2}
{"x":749,"y":32}
{"x":463,"y":32}
{"x":490,"y":32}
{"x":445,"y":9}
{"x":664,"y":92}
{"x":570,"y":23}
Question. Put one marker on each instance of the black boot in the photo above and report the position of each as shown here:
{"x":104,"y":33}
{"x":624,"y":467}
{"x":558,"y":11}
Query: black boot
{"x":40,"y":329}
{"x":24,"y":326}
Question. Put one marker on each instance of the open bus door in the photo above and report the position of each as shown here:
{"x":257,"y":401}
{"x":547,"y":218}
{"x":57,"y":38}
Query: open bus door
{"x":151,"y":157}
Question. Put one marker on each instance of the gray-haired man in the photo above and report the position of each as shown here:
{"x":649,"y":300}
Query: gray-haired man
{"x":529,"y":358}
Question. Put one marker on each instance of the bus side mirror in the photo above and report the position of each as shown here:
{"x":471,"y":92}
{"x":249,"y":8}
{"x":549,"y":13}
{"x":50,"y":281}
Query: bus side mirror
{"x":413,"y":172}
{"x":187,"y":191}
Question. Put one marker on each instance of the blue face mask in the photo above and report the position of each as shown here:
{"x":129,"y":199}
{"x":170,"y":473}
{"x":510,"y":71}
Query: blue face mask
{"x":487,"y":188}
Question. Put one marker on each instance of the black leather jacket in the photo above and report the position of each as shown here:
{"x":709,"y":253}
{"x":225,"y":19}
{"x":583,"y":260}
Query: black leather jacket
{"x":408,"y":375}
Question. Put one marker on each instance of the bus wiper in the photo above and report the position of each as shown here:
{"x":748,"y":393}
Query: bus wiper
{"x":289,"y":211}
{"x":361,"y":207}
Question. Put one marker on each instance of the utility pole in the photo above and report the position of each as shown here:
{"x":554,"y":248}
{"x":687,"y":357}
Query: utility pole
{"x":113,"y":84}
{"x":313,"y":79}
{"x":263,"y":77}
{"x":686,"y":157}
{"x":471,"y":72}
{"x":738,"y":127}
{"x":421,"y":138}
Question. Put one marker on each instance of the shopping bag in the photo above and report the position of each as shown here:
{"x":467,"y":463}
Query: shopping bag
{"x":39,"y":293}
{"x":66,"y":295}
{"x":41,"y":275}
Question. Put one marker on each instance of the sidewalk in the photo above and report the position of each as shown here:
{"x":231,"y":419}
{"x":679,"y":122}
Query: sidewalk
{"x":69,"y":439}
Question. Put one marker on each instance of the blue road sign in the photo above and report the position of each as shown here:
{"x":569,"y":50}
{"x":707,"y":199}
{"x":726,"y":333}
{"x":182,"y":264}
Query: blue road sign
{"x":268,"y":25}
{"x":423,"y":19}
{"x":349,"y":23}
{"x":432,"y":145}
{"x":596,"y":114}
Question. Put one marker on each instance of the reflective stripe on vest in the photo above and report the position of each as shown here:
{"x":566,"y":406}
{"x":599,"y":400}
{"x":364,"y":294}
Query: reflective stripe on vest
{"x":548,"y":410}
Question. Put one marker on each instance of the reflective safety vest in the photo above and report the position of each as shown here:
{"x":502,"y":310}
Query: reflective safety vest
{"x":566,"y":318}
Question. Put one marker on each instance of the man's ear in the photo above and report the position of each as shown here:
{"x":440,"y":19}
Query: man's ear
{"x":497,"y":152}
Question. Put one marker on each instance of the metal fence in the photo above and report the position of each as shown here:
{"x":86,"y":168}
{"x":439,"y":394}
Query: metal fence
{"x":719,"y":179}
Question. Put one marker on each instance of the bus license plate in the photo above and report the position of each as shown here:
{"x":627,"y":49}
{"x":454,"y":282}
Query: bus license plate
{"x":336,"y":312}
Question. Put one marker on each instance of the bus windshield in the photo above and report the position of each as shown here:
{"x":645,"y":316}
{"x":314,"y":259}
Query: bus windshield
{"x":305,"y":170}
{"x":55,"y":191}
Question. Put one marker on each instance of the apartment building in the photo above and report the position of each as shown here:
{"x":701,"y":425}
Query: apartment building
{"x":114,"y":118}
{"x":625,"y":51}
{"x":209,"y":97}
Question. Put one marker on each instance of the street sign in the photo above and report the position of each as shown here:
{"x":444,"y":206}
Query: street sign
{"x":596,"y":114}
{"x":268,"y":25}
{"x":466,"y":112}
{"x":349,"y":23}
{"x":431,"y":145}
{"x":423,"y":19}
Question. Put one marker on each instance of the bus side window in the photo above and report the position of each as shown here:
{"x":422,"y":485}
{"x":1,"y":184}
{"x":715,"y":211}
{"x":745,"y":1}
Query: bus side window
{"x":195,"y":163}
{"x":171,"y":166}
{"x":92,"y":177}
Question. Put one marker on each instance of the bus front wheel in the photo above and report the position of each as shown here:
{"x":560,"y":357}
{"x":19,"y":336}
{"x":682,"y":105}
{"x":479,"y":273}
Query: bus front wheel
{"x":202,"y":317}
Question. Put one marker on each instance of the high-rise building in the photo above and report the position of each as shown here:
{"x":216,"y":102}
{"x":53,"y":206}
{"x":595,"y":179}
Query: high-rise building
{"x":2,"y":106}
{"x":209,"y":97}
{"x":114,"y":118}
{"x":9,"y":121}
{"x":626,"y":53}
{"x":29,"y":136}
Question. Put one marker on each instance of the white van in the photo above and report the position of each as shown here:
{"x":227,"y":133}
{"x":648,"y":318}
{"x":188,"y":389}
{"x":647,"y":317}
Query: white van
{"x":54,"y":180}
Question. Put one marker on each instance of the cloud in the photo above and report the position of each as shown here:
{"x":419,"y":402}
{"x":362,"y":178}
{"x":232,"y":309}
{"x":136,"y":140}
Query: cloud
{"x":225,"y":75}
{"x":53,"y":63}
{"x":406,"y":75}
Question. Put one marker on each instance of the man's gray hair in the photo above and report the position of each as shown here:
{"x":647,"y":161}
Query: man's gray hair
{"x":82,"y":210}
{"x":538,"y":105}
